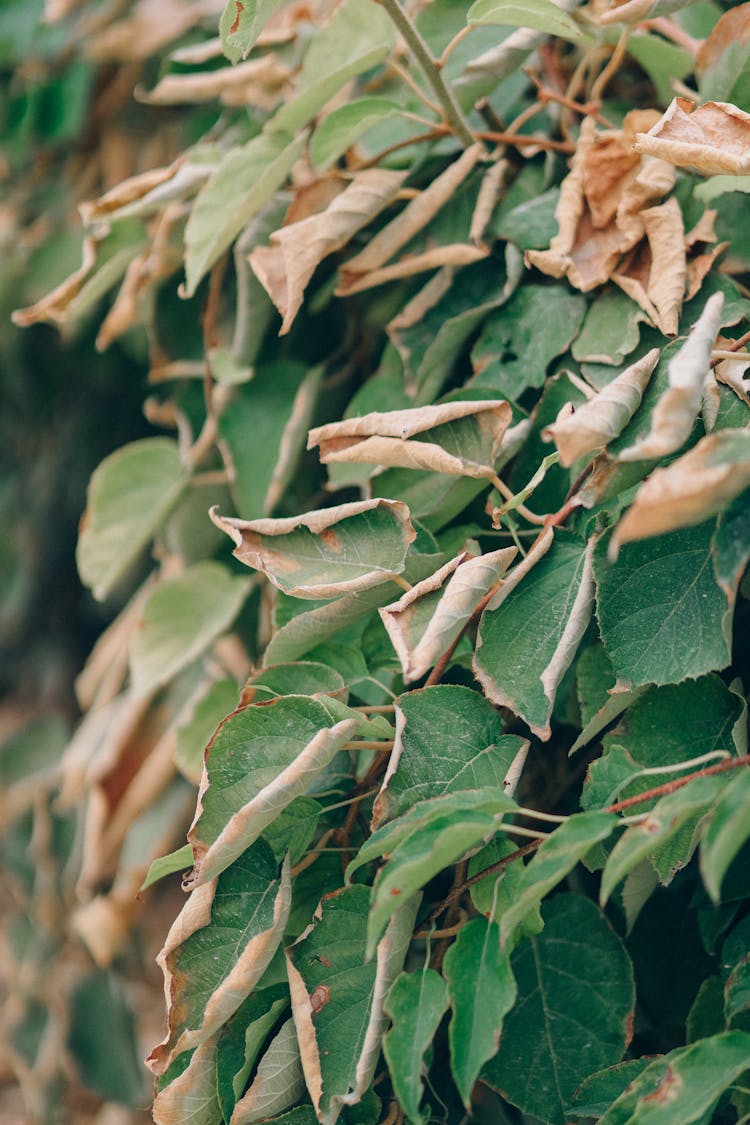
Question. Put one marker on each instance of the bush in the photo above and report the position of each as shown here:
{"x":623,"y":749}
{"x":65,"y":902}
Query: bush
{"x":444,"y":314}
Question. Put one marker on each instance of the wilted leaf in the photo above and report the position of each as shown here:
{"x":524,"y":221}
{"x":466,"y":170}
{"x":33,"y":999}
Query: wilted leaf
{"x":682,"y":1087}
{"x":219,"y":947}
{"x":530,"y":631}
{"x":541,"y":15}
{"x":239,"y":187}
{"x":416,"y":1004}
{"x":259,"y":760}
{"x":286,"y":266}
{"x":594,"y":424}
{"x":457,"y":438}
{"x":129,"y":495}
{"x":428,"y":618}
{"x":566,"y":1023}
{"x":660,"y":610}
{"x":675,"y":413}
{"x":180,"y":619}
{"x":727,"y":831}
{"x":240,"y":25}
{"x":732,"y":373}
{"x":690,"y":490}
{"x":278,"y":1082}
{"x":341,"y":128}
{"x":192,"y":1094}
{"x":260,"y":81}
{"x":483,"y":990}
{"x":338,"y":997}
{"x":655,"y":272}
{"x":631,"y":11}
{"x":448,"y":739}
{"x":714,"y":138}
{"x":348,"y":548}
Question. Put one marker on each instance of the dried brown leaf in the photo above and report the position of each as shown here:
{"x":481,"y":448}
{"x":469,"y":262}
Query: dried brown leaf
{"x":428,"y":618}
{"x":731,"y":372}
{"x":456,"y":254}
{"x":597,"y":422}
{"x":732,"y":26}
{"x":713,"y":138}
{"x":656,"y":273}
{"x":690,"y":490}
{"x":192,"y":1095}
{"x":677,"y":409}
{"x":398,"y":438}
{"x":259,"y":82}
{"x":286,"y":266}
{"x":53,"y":306}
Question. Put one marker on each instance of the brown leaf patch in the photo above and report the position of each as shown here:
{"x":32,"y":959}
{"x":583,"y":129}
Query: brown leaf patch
{"x":713,"y":138}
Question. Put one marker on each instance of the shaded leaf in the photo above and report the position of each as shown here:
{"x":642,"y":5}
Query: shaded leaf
{"x":448,"y":739}
{"x":191,"y":1096}
{"x":483,"y":990}
{"x":343,"y":127}
{"x":194,"y":733}
{"x":416,"y":1004}
{"x":713,"y":138}
{"x":180,"y":619}
{"x":595,"y":1095}
{"x":259,"y":760}
{"x":242,"y":1039}
{"x":320,"y":554}
{"x":219,"y":947}
{"x":610,"y":331}
{"x":129,"y":495}
{"x":726,"y":832}
{"x":278,"y":1082}
{"x":240,"y":25}
{"x":565,"y":1024}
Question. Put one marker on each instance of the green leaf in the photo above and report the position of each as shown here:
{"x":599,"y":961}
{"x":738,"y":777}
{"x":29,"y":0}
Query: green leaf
{"x":101,"y":1039}
{"x":497,"y":891}
{"x":610,"y":331}
{"x":483,"y":990}
{"x":541,"y":15}
{"x":566,"y":1023}
{"x":259,"y":760}
{"x":415,"y":1004}
{"x":320,"y":554}
{"x":595,"y":1095}
{"x":684,"y":1085}
{"x":343,"y":127}
{"x":219,"y":947}
{"x":242,"y":1039}
{"x":662,"y":823}
{"x":737,"y":994}
{"x":715,"y":186}
{"x":191,"y":1094}
{"x":241,"y":185}
{"x":278,"y":1082}
{"x":550,"y":494}
{"x":182,"y":617}
{"x":178,"y":860}
{"x":661,"y":613}
{"x":357,"y":38}
{"x":554,"y":859}
{"x":240,"y":25}
{"x":727,"y":831}
{"x":530,"y":225}
{"x":293,"y":828}
{"x":519,"y":341}
{"x":448,"y":739}
{"x":530,"y":631}
{"x":283,"y":394}
{"x":731,"y":545}
{"x":193,"y":735}
{"x":129,"y":496}
{"x":338,"y":997}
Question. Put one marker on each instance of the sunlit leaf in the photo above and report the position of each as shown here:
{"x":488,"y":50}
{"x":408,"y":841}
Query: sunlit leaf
{"x":542,"y":15}
{"x":343,"y":127}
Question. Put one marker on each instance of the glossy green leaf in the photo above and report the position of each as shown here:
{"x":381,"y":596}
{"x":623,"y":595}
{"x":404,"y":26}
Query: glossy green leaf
{"x":129,"y":495}
{"x":240,"y":25}
{"x":682,"y":1087}
{"x":483,"y":990}
{"x":661,"y":613}
{"x":180,"y":619}
{"x":416,"y":1004}
{"x":727,"y":831}
{"x":566,"y":1023}
{"x":556,"y":856}
{"x":542,"y":15}
{"x":737,"y":995}
{"x":241,"y":185}
{"x":343,"y":127}
{"x":529,"y":633}
{"x":448,"y":739}
{"x":259,"y":760}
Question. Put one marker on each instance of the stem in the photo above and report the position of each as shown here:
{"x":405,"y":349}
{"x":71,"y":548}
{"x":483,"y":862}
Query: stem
{"x":519,"y":140}
{"x":384,"y":747}
{"x":673,"y":786}
{"x":729,"y":353}
{"x":431,"y":69}
{"x":453,"y":44}
{"x":434,"y":135}
{"x":599,"y":86}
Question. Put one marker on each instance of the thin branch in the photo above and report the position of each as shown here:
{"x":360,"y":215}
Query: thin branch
{"x":614,"y":64}
{"x":673,"y":786}
{"x":457,"y":38}
{"x":451,"y":110}
{"x":384,"y":747}
{"x":402,"y":73}
{"x":523,"y":140}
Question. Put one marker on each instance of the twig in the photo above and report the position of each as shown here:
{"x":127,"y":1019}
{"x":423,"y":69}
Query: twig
{"x":599,"y":86}
{"x":451,"y":110}
{"x":419,"y":138}
{"x":521,"y":140}
{"x":383,"y":747}
{"x":402,"y":73}
{"x":457,"y":38}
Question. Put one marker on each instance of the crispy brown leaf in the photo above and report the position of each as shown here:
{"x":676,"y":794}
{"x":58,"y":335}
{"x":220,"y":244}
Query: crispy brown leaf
{"x":713,"y":138}
{"x":656,"y":272}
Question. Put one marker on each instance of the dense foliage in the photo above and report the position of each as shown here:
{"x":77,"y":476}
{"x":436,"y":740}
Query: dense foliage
{"x":431,"y":585}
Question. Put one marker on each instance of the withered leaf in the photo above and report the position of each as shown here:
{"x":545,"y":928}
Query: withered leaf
{"x":326,"y":552}
{"x":690,"y":490}
{"x":192,"y":1095}
{"x":598,"y":421}
{"x":713,"y":138}
{"x":286,"y":266}
{"x":259,"y":82}
{"x":454,"y":254}
{"x":632,"y":11}
{"x":678,"y":407}
{"x":429,"y":617}
{"x":731,"y":372}
{"x":456,"y":438}
{"x":656,"y":272}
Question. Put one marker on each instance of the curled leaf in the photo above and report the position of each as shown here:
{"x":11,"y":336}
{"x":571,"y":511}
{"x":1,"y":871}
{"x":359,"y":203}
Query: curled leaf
{"x":456,"y":438}
{"x":731,"y":372}
{"x":286,"y":266}
{"x":656,"y":271}
{"x":695,"y":486}
{"x":594,"y":424}
{"x":678,"y":407}
{"x":713,"y":138}
{"x":428,"y":618}
{"x":326,"y":552}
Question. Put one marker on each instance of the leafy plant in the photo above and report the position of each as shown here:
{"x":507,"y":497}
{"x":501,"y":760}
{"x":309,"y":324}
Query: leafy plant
{"x":458,"y":367}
